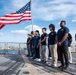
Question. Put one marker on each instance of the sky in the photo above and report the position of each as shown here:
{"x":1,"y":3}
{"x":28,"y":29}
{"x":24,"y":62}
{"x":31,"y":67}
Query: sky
{"x":44,"y":12}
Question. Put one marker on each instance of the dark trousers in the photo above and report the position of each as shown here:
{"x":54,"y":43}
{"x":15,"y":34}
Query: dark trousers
{"x":34,"y":53}
{"x":37,"y":52}
{"x":31,"y":51}
{"x":28,"y":48}
{"x":63,"y":55}
{"x":58,"y":51}
{"x":49,"y":51}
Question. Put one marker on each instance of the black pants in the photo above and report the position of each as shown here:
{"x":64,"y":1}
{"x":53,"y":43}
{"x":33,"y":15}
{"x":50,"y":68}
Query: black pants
{"x":58,"y":51}
{"x":63,"y":55}
{"x":31,"y":53}
{"x":37,"y":52}
{"x":28,"y":48}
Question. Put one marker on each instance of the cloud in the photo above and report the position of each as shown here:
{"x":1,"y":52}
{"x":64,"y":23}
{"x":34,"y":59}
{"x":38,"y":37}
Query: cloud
{"x":58,"y":23}
{"x":35,"y":27}
{"x":19,"y":31}
{"x":74,"y":19}
{"x":1,"y":33}
{"x":17,"y":4}
{"x":54,"y":10}
{"x":50,"y":10}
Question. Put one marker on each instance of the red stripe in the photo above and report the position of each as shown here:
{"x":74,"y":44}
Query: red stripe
{"x":14,"y":18}
{"x":1,"y":26}
{"x":25,"y":19}
{"x":14,"y":22}
{"x":13,"y":15}
{"x":27,"y":13}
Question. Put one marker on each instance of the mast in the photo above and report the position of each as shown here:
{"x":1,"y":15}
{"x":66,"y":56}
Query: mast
{"x":31,"y":15}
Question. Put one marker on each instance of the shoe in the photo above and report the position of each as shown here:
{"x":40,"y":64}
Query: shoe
{"x":63,"y":69}
{"x":50,"y":57}
{"x":54,"y":65}
{"x":51,"y":65}
{"x":35,"y":59}
{"x":31,"y":57}
{"x":39,"y":60}
{"x":42,"y":61}
{"x":27,"y":55}
{"x":70,"y":62}
{"x":47,"y":62}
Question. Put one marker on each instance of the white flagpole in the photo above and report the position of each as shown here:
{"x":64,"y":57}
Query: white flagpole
{"x":31,"y":15}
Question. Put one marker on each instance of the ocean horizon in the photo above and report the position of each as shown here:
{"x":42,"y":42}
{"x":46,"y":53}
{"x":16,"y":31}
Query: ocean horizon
{"x":12,"y":51}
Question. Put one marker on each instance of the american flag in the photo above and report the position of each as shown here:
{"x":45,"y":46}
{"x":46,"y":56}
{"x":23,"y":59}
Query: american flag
{"x":22,"y":14}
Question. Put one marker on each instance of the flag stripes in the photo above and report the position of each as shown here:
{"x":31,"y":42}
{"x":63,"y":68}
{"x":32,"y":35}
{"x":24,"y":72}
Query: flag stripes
{"x":22,"y":14}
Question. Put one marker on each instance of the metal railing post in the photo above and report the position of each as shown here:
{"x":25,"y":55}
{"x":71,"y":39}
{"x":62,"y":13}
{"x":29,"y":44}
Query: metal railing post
{"x":19,"y":48}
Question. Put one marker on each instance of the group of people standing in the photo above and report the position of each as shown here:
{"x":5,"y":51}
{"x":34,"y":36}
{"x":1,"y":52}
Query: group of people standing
{"x":55,"y":44}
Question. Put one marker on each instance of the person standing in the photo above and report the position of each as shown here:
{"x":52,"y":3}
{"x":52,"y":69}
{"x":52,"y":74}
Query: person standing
{"x":48,"y":47}
{"x":62,"y":36}
{"x":36,"y":46}
{"x":53,"y":45}
{"x":43,"y":48}
{"x":31,"y":44}
{"x":69,"y":47}
{"x":28,"y":45}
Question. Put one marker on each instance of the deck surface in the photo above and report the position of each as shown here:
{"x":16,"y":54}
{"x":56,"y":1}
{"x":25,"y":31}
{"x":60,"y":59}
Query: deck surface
{"x":22,"y":65}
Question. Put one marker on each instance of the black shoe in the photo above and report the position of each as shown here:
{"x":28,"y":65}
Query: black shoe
{"x":45,"y":61}
{"x":34,"y":58}
{"x":27,"y":55}
{"x":64,"y":69}
{"x":42,"y":61}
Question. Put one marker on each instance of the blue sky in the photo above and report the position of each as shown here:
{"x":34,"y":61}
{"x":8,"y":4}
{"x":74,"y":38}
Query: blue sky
{"x":43,"y":13}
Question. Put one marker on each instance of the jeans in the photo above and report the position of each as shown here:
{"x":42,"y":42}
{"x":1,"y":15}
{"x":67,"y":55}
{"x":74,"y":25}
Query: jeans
{"x":44,"y":52}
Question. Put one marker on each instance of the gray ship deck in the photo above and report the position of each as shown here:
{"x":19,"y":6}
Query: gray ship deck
{"x":22,"y":65}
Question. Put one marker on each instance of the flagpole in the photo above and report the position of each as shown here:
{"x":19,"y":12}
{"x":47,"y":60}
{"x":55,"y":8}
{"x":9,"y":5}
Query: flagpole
{"x":31,"y":15}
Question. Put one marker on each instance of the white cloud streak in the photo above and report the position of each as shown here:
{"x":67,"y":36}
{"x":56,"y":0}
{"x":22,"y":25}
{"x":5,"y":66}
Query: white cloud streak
{"x":35,"y":27}
{"x":1,"y":33}
{"x":19,"y":31}
{"x":74,"y":20}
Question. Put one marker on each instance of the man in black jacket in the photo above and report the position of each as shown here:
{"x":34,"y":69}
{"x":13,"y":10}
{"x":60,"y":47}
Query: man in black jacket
{"x":62,"y":36}
{"x":28,"y":45}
